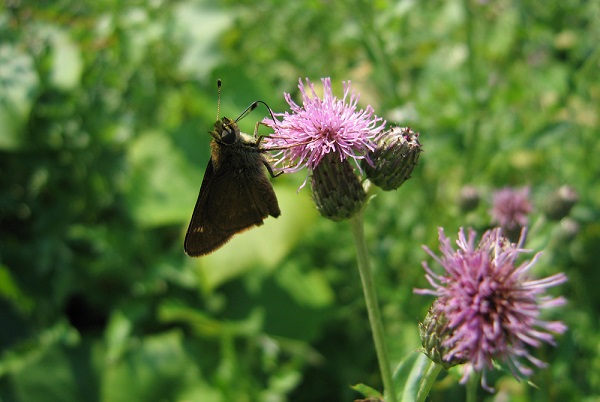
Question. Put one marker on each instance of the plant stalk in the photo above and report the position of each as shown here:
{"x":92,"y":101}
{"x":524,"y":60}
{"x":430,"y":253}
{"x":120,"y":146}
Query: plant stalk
{"x":366,"y":276}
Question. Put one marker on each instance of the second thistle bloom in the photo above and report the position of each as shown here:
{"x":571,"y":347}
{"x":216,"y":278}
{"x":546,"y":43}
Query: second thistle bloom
{"x":321,"y":126}
{"x":487,"y":307}
{"x":510,"y":209}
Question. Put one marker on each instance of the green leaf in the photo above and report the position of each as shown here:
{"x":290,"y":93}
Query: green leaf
{"x":407,"y":375}
{"x":159,"y":190}
{"x":49,"y":379}
{"x":19,"y":84}
{"x":200,"y":26}
{"x":307,"y":288}
{"x":117,"y":335}
{"x":171,"y":311}
{"x":10,"y":290}
{"x":368,"y":392}
{"x":48,"y":367}
{"x":158,"y":368}
{"x":67,"y":66}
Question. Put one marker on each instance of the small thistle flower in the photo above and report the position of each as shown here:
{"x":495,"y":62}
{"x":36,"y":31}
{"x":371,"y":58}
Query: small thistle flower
{"x":490,"y":307}
{"x":391,"y":163}
{"x":560,"y":202}
{"x":510,"y":207}
{"x":322,"y":126}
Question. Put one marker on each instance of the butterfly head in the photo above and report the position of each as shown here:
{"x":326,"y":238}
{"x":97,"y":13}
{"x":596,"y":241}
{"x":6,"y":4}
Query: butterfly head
{"x":225,"y":131}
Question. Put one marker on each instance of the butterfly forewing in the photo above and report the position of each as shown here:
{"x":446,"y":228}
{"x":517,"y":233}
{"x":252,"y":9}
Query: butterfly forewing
{"x":201,"y":238}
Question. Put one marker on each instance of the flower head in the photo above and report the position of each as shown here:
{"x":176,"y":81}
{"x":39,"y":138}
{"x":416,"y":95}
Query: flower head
{"x":491,"y":307}
{"x":510,"y":208}
{"x":322,"y":126}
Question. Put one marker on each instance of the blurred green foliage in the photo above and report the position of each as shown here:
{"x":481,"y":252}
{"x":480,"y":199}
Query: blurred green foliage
{"x":104,"y":110}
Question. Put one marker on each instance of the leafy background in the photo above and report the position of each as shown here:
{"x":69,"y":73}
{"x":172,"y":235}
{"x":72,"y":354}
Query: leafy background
{"x":104,"y":109}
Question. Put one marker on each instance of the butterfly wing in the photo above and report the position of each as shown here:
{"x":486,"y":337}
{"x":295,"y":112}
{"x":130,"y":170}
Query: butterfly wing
{"x":229,"y":202}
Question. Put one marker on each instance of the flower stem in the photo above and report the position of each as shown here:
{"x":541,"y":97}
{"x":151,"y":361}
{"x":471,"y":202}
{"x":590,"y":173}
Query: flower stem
{"x":471,"y":388}
{"x":428,"y":380}
{"x":366,"y":276}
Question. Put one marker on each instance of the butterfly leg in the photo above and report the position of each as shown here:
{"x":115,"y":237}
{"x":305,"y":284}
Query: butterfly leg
{"x":270,"y":170}
{"x":259,"y":137}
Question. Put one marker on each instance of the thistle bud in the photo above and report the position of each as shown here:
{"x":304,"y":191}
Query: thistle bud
{"x":469,"y":198}
{"x":337,"y":191}
{"x":568,"y":229}
{"x":433,"y":331}
{"x":560,"y":202}
{"x":393,"y":159}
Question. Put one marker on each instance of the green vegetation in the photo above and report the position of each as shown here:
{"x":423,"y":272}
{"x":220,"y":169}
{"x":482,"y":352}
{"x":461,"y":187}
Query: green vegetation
{"x":104,"y":112}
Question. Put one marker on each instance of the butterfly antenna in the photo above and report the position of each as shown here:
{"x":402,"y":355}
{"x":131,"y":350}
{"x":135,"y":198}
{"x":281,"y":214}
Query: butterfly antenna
{"x":247,"y":111}
{"x":253,"y":106}
{"x":218,"y":98}
{"x":270,"y":110}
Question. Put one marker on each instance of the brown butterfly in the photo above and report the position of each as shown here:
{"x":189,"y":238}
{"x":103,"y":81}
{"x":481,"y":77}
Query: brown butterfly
{"x":235,"y":194}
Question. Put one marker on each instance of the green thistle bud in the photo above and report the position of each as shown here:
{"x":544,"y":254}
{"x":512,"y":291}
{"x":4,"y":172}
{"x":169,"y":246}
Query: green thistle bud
{"x":433,"y":331}
{"x":337,"y":191}
{"x":468,"y":199}
{"x":569,"y":229}
{"x":394,"y":158}
{"x":560,"y":202}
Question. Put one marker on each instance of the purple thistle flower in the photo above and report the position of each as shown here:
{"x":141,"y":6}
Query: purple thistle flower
{"x":322,"y":126}
{"x":491,"y":307}
{"x":510,"y":208}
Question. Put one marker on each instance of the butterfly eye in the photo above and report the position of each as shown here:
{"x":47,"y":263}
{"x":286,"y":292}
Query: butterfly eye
{"x":228,"y":135}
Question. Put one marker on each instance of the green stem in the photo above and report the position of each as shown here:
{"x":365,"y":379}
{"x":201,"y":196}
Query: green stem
{"x":428,"y":380}
{"x":366,"y":276}
{"x":472,"y":386}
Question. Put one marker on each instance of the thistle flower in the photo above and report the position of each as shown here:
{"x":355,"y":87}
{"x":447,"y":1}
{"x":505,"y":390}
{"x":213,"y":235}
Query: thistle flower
{"x":489,"y":306}
{"x":322,"y":126}
{"x":510,"y":207}
{"x":322,"y":135}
